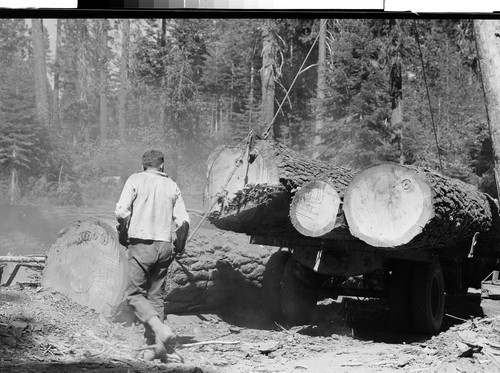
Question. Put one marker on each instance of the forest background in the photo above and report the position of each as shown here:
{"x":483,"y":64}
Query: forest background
{"x":76,"y":116}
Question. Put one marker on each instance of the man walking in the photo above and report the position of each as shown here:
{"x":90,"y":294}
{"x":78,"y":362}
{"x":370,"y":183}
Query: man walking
{"x":148,"y":207}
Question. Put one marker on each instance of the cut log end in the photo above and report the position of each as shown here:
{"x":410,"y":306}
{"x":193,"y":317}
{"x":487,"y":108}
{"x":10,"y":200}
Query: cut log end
{"x":388,"y":205}
{"x":314,"y":208}
{"x":88,"y":265}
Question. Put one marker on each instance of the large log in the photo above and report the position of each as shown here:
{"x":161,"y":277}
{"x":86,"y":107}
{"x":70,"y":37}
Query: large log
{"x":219,"y":270}
{"x":88,"y":264}
{"x":257,"y":197}
{"x":394,"y":206}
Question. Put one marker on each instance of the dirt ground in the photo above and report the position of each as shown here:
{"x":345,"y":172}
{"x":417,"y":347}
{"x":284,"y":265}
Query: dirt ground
{"x":43,"y":331}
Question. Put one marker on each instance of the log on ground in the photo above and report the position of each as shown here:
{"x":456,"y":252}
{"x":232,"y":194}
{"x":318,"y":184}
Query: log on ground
{"x":395,"y":206}
{"x":88,"y":264}
{"x":219,"y":270}
{"x":270,"y":176}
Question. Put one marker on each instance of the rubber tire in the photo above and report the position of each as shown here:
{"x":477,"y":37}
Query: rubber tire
{"x":298,"y":300}
{"x":271,"y":284}
{"x":400,"y":308}
{"x":427,"y":297}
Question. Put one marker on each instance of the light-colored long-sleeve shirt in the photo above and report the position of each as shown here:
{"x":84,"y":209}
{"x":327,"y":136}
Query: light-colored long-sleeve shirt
{"x":154,"y":202}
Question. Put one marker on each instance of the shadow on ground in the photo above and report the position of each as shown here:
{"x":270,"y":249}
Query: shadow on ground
{"x":368,"y":319}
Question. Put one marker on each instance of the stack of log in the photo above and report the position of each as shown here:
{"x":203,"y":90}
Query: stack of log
{"x":258,"y":197}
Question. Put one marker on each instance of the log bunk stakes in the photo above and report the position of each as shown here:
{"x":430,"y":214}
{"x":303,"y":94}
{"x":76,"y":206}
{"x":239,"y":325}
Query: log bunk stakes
{"x":410,"y":234}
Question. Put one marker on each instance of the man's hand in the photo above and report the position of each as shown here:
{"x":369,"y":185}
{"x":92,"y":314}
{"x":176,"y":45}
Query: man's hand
{"x":122,"y":229}
{"x":180,"y":241}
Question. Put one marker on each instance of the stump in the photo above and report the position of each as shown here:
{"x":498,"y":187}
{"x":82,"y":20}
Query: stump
{"x":395,"y":206}
{"x":88,"y":265}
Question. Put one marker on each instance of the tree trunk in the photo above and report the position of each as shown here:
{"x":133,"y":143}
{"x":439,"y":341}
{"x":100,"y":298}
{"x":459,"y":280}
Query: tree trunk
{"x":488,"y":48}
{"x":14,"y":185}
{"x":82,"y":81}
{"x":103,"y":74}
{"x":393,"y":206}
{"x":251,"y":98}
{"x":163,"y":40}
{"x":42,"y":102}
{"x":88,"y":264}
{"x":321,"y":89}
{"x":267,"y":76}
{"x":56,"y":120}
{"x":256,"y":199}
{"x":396,"y":92}
{"x":122,"y":110}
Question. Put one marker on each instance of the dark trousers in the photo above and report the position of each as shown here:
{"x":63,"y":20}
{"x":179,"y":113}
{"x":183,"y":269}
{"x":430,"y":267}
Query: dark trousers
{"x":148,"y":262}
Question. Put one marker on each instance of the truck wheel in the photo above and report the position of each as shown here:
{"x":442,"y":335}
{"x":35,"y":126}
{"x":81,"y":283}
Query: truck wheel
{"x":427,"y":297}
{"x":298,"y":300}
{"x":271,"y":283}
{"x":400,"y":296}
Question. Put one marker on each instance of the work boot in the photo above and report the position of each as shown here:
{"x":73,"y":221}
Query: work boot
{"x":149,"y":355}
{"x":164,"y":336}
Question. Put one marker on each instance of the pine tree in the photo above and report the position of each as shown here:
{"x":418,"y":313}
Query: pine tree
{"x":24,"y":143}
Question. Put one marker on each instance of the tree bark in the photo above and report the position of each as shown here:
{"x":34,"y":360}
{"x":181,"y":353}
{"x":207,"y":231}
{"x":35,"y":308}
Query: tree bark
{"x":103,"y":74}
{"x":488,"y":48}
{"x":122,"y":109}
{"x":217,"y":271}
{"x":56,"y":120}
{"x":42,"y":102}
{"x":321,"y":89}
{"x":257,"y":197}
{"x":267,"y":76}
{"x":393,"y":206}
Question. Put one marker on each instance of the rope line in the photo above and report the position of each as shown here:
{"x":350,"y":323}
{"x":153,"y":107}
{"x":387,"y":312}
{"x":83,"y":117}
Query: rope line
{"x":428,"y":96}
{"x":247,"y":140}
